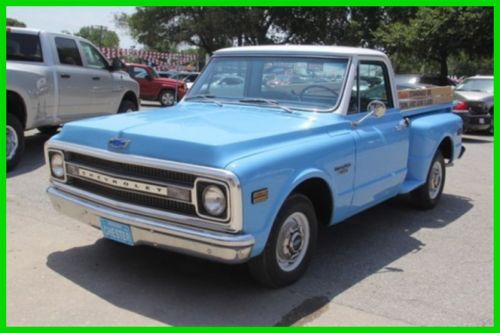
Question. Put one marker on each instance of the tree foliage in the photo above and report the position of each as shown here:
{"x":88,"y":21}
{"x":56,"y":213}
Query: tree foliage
{"x":12,"y":22}
{"x":427,"y":36}
{"x":99,"y":35}
{"x":436,"y":33}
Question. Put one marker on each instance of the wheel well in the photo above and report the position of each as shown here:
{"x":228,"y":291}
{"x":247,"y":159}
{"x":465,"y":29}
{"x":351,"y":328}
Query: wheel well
{"x":446,"y":148}
{"x":130,"y":96}
{"x":318,"y":191}
{"x":16,"y":106}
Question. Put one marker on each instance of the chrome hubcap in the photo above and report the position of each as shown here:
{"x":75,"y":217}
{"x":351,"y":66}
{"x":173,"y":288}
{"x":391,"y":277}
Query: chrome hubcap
{"x":436,"y":180}
{"x":12,"y":142}
{"x":293,"y":240}
{"x":167,"y":98}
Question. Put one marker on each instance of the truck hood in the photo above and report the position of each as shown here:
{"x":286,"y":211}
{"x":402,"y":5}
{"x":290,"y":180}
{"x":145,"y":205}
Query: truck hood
{"x":472,"y":95}
{"x":199,"y":133}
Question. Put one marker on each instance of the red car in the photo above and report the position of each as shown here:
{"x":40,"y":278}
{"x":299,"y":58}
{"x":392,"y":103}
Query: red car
{"x":156,"y":88}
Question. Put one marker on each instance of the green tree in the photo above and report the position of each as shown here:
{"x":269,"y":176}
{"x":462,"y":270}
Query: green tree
{"x":209,"y":28}
{"x":99,"y":35}
{"x":437,"y":33}
{"x":12,"y":22}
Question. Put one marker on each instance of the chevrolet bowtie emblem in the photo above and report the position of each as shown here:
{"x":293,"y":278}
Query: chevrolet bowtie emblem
{"x":118,"y":143}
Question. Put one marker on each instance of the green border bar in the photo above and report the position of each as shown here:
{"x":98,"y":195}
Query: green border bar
{"x":120,"y":3}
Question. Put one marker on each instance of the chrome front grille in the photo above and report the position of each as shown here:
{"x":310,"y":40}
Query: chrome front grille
{"x":133,"y":184}
{"x":131,"y":170}
{"x":151,"y":187}
{"x":476,"y":107}
{"x":135,"y":198}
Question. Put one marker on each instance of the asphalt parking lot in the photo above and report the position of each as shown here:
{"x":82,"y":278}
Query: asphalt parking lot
{"x":391,"y":265}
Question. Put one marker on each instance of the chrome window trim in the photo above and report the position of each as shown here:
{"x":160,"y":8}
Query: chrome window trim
{"x":213,"y":174}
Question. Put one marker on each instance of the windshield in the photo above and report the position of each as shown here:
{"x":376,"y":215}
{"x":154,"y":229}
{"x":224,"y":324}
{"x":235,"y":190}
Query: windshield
{"x":485,"y":85}
{"x":308,"y":84}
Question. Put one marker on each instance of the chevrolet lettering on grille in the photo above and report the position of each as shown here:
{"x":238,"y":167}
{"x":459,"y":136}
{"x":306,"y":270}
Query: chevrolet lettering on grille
{"x":123,"y":183}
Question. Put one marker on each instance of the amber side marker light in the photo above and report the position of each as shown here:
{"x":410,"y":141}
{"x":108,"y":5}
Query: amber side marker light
{"x":260,"y":195}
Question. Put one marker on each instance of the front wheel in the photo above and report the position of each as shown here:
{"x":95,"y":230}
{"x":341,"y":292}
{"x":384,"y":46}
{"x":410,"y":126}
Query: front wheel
{"x":48,"y":130}
{"x":166,"y":98}
{"x":290,"y":245}
{"x":127,"y":106}
{"x":427,"y":196}
{"x":15,"y":141}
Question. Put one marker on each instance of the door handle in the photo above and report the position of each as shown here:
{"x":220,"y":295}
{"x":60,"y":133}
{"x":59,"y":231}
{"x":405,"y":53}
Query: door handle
{"x":65,"y":76}
{"x":96,"y":78}
{"x":404,"y":123}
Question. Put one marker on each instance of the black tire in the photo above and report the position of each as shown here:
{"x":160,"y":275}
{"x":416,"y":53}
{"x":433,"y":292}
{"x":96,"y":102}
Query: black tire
{"x":48,"y":130}
{"x":166,"y":98}
{"x":265,"y":267}
{"x":422,"y":197}
{"x":127,"y":106}
{"x":14,"y":123}
{"x":492,"y":123}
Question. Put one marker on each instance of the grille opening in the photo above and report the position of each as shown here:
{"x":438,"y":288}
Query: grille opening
{"x":134,"y":197}
{"x":131,"y":170}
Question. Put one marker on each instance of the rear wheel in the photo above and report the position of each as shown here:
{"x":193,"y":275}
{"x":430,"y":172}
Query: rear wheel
{"x":290,"y":245}
{"x":127,"y":106}
{"x":166,"y":98}
{"x":427,"y":196}
{"x":492,"y":123}
{"x":15,"y":141}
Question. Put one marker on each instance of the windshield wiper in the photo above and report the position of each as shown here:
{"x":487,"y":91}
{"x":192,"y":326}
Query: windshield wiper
{"x":266,"y":101}
{"x":209,"y":98}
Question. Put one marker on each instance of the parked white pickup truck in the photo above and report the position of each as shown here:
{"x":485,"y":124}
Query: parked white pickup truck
{"x":55,"y":78}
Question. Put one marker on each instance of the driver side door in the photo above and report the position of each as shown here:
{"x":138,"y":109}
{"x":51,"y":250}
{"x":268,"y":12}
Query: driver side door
{"x":381,"y":143}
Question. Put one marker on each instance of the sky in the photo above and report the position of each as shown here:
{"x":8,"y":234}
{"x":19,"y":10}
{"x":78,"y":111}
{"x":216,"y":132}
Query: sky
{"x":56,"y":19}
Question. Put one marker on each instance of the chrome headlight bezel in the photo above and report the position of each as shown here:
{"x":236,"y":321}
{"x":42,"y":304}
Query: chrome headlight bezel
{"x":202,"y":186}
{"x":57,"y":167}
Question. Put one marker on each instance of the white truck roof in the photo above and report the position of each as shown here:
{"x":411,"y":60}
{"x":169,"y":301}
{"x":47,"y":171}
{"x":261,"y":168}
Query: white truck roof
{"x":299,"y":49}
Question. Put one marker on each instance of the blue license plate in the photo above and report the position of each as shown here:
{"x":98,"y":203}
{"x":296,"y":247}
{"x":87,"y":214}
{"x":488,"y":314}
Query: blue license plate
{"x":117,"y":231}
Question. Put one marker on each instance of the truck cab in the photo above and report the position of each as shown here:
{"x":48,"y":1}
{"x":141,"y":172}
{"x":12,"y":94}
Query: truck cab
{"x":53,"y":78}
{"x":270,"y":144}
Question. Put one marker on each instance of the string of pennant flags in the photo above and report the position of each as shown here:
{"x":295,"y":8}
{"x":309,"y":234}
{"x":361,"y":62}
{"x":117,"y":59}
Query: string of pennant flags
{"x":159,"y":60}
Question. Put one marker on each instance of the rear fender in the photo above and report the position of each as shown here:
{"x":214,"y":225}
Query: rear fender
{"x":426,"y":135}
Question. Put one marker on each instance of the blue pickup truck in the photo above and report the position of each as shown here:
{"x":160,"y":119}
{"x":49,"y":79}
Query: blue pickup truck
{"x":270,"y":144}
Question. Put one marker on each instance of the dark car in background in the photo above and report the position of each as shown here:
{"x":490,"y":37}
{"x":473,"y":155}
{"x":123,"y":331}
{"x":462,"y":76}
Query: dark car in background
{"x":427,"y":79}
{"x":166,"y":74}
{"x":474,"y":103}
{"x":186,"y":77}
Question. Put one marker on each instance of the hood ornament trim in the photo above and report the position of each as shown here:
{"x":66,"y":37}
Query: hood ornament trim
{"x":118,"y":143}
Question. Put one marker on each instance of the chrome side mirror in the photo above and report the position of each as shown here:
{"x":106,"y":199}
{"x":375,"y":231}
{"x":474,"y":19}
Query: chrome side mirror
{"x":375,"y":108}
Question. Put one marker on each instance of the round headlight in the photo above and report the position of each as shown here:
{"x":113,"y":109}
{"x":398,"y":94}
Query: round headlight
{"x":57,"y":165}
{"x":214,"y":200}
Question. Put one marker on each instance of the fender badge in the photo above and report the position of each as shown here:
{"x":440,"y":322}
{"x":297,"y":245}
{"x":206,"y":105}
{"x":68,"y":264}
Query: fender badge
{"x":118,"y":143}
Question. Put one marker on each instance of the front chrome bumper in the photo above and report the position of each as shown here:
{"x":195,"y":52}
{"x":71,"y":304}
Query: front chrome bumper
{"x":218,"y":246}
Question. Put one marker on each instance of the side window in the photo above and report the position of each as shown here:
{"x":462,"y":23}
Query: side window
{"x":373,"y":84}
{"x":138,"y":73}
{"x":93,"y":57}
{"x":68,"y":52}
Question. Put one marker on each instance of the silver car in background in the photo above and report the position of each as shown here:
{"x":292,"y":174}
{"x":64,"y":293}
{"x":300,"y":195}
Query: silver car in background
{"x":474,"y":103}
